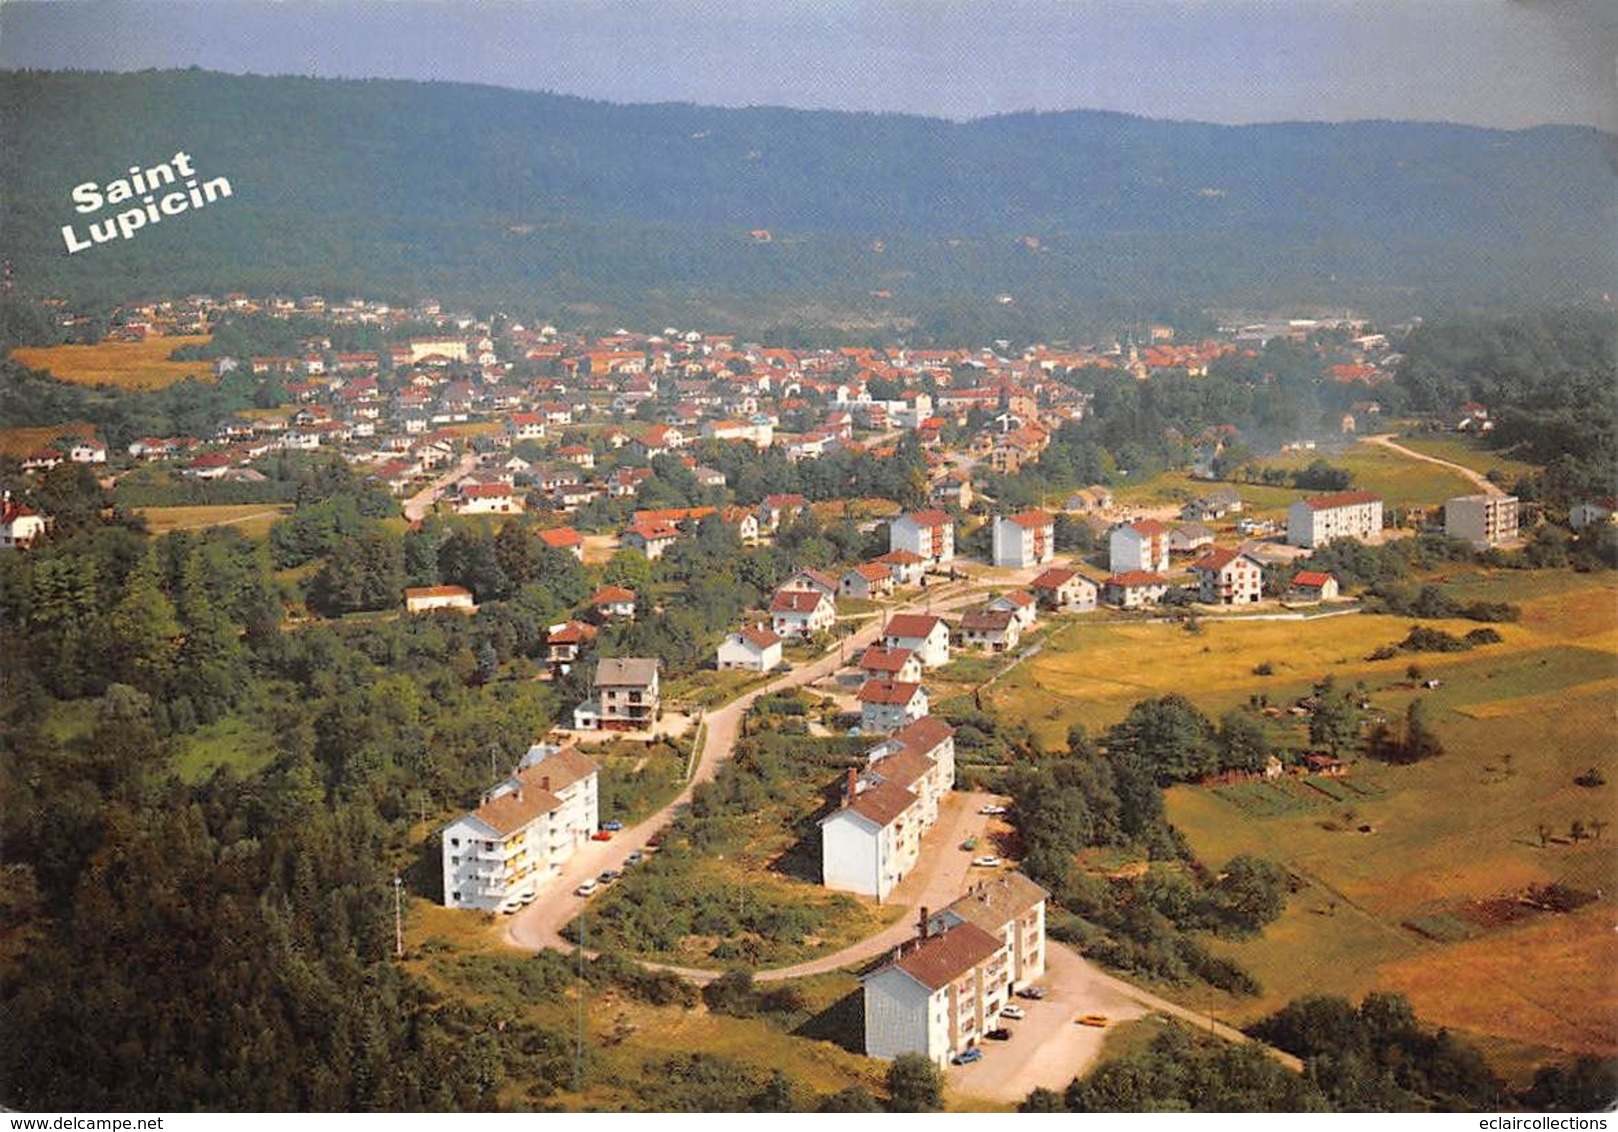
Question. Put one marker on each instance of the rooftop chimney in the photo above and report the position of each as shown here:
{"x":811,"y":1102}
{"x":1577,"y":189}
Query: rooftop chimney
{"x":852,"y":787}
{"x":924,"y":924}
{"x":545,"y":782}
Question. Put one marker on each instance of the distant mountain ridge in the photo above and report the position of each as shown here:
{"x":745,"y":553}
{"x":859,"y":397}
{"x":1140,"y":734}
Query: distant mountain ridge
{"x":491,"y":195}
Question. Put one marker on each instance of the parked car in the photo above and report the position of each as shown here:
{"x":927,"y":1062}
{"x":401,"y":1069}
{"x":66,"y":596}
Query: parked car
{"x":601,"y":835}
{"x":1012,"y":1011}
{"x":1031,"y":992}
{"x":969,"y":844}
{"x":1093,"y":1020}
{"x":608,"y":877}
{"x":968,"y":1056}
{"x":612,"y":826}
{"x":992,"y":811}
{"x":509,"y":905}
{"x":634,"y":858}
{"x":987,"y":862}
{"x":526,"y":897}
{"x":998,"y":1034}
{"x":587,"y":888}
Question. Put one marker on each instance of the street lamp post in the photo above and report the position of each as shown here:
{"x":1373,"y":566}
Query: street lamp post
{"x":398,"y":917}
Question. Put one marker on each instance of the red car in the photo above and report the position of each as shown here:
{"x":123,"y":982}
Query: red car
{"x":601,"y":835}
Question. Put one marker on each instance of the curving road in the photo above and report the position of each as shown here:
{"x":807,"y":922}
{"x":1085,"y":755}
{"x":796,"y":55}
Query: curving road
{"x":1385,"y":440}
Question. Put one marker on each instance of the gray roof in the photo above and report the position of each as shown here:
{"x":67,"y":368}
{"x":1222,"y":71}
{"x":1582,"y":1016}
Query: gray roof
{"x":633,"y":671}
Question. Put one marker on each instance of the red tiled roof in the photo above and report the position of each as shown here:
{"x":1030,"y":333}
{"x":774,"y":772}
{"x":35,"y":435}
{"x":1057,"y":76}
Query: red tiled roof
{"x":609,"y":595}
{"x":796,"y":601}
{"x":1341,"y":499}
{"x":878,"y":659}
{"x":883,"y":802}
{"x":911,"y":625}
{"x":941,"y":959}
{"x":1137,"y":578}
{"x":888,"y":692}
{"x":1032,"y":519}
{"x":561,"y":537}
{"x":1311,"y":578}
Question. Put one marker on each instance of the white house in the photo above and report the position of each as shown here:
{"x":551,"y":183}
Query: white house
{"x":994,"y":630}
{"x":801,"y":613}
{"x":888,"y":705}
{"x":1027,"y":538}
{"x":1065,"y":590}
{"x":626,"y":696}
{"x":1228,"y":577}
{"x":1313,"y":585}
{"x":866,"y":582}
{"x":20,"y":525}
{"x":930,"y":535}
{"x":523,"y":831}
{"x":613,"y":603}
{"x":756,"y":650}
{"x":1134,"y":589}
{"x":1142,"y":546}
{"x":564,"y":642}
{"x":923,"y":634}
{"x":906,"y":567}
{"x":651,"y":539}
{"x":879,"y":663}
{"x":1345,"y":514}
{"x":422,"y":599}
{"x":488,"y":499}
{"x":1021,"y":604}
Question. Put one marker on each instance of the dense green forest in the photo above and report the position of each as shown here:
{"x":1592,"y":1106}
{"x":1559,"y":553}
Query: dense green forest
{"x":507,"y":197}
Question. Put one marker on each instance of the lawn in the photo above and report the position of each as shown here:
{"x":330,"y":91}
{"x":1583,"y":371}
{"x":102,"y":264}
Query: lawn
{"x":126,"y":365}
{"x":1469,"y":453}
{"x":231,"y":744}
{"x":252,"y":519}
{"x":1399,"y":480}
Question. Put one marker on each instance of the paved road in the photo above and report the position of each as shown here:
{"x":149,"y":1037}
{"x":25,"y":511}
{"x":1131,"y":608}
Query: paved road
{"x":539,"y":925}
{"x":417,"y":506}
{"x":1386,"y":440}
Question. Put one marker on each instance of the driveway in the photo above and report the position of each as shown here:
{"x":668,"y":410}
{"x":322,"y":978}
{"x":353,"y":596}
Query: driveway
{"x":417,"y":506}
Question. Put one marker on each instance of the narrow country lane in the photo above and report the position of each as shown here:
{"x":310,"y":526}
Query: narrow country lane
{"x":1385,"y":440}
{"x":417,"y":506}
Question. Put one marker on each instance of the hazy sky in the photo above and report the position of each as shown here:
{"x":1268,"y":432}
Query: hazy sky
{"x":1487,"y":62}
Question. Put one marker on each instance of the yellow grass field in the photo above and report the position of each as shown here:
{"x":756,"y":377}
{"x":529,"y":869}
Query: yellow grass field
{"x":1519,"y":720}
{"x":252,"y":519}
{"x":22,"y":441}
{"x":126,"y":365}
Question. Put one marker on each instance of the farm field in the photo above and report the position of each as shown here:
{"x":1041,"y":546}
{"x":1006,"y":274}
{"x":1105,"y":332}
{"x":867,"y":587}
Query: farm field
{"x":22,"y":441}
{"x":252,"y":519}
{"x":1419,"y":879}
{"x":1401,"y":481}
{"x":127,"y":365}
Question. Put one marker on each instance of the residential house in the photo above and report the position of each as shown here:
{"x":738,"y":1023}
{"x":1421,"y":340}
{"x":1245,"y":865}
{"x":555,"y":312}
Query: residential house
{"x":1066,"y":591}
{"x":1345,"y":514}
{"x":866,"y":582}
{"x":873,"y":839}
{"x":906,"y":567}
{"x":1137,"y":547}
{"x":744,"y":522}
{"x":1189,"y":538}
{"x":802,"y":613}
{"x":879,"y":663}
{"x":651,"y":539}
{"x":1228,"y":577}
{"x":613,"y":603}
{"x":20,"y":525}
{"x":1215,"y":505}
{"x":488,"y":499}
{"x":1592,"y":512}
{"x":923,"y":634}
{"x":1021,"y":604}
{"x":87,"y":450}
{"x":810,"y":580}
{"x":755,"y":649}
{"x":930,"y":535}
{"x":523,"y":832}
{"x":626,"y":696}
{"x":1027,"y":538}
{"x":424,"y":599}
{"x":1089,"y":500}
{"x":888,"y":705}
{"x":1313,"y":585}
{"x":1482,"y":520}
{"x":990,"y":629}
{"x":564,"y":643}
{"x":525,"y":426}
{"x":564,"y":538}
{"x":1134,"y":589}
{"x":776,"y":509}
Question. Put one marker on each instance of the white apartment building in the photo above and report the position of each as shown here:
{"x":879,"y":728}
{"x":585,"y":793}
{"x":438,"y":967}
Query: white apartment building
{"x":928,"y":534}
{"x":523,"y":831}
{"x":1482,"y":520}
{"x":1345,"y":514}
{"x":1139,"y":547}
{"x":1027,"y":538}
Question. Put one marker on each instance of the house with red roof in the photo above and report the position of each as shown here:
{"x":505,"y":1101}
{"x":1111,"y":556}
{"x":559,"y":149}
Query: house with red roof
{"x":867,"y":581}
{"x":922,"y":633}
{"x":564,"y":538}
{"x":20,"y":525}
{"x":1134,"y":589}
{"x":802,"y":613}
{"x":878,"y":662}
{"x":651,"y":539}
{"x":1228,"y":577}
{"x":888,"y":705}
{"x":1313,"y":585}
{"x":611,"y":603}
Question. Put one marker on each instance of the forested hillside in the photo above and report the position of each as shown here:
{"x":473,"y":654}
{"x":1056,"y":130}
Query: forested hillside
{"x":482,"y":194}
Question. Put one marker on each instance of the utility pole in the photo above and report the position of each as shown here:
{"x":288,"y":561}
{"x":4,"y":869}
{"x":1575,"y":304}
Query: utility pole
{"x":398,"y":918}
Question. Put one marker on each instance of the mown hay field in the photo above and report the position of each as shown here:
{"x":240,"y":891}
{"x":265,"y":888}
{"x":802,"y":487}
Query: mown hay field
{"x":126,"y":365}
{"x":252,"y":519}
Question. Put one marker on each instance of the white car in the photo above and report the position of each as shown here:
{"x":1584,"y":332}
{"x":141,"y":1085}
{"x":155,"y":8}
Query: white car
{"x":1013,"y":1012}
{"x":509,"y":905}
{"x":587,"y":888}
{"x":986,"y":862}
{"x":993,"y":811}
